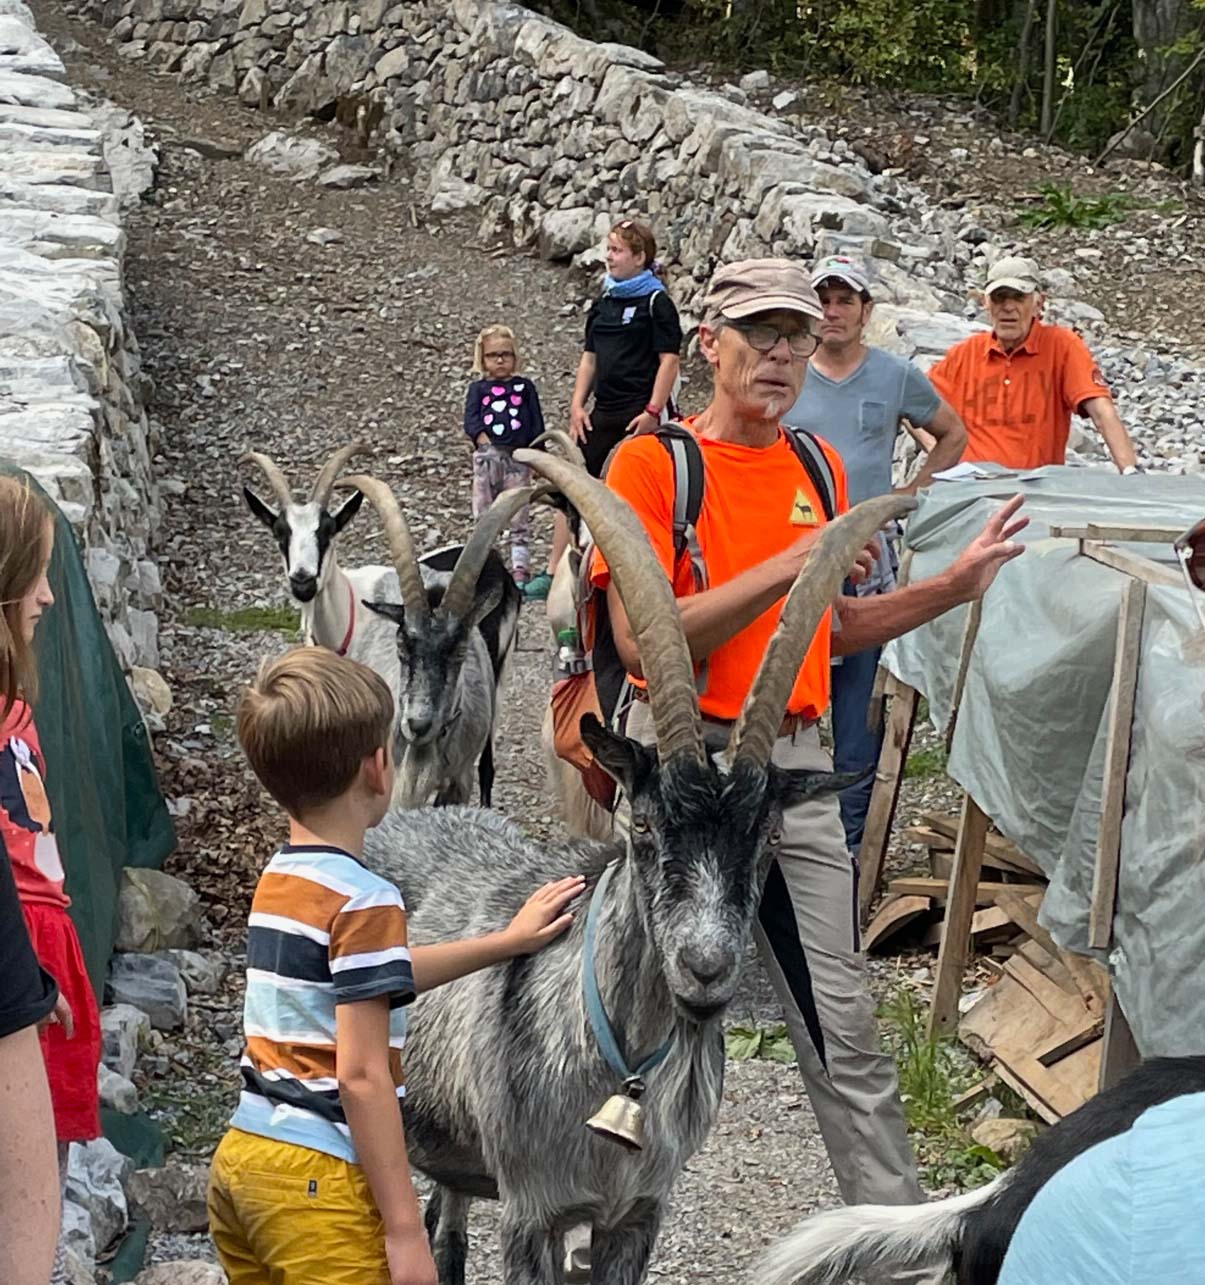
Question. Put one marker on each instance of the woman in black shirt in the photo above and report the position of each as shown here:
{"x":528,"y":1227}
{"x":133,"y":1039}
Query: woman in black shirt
{"x":633,"y":339}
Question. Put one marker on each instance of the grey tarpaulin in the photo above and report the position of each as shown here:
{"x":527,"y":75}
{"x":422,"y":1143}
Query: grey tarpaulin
{"x":1029,"y":745}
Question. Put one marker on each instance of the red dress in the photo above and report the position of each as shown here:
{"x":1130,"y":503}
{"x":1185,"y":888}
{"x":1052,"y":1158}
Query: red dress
{"x":27,"y":840}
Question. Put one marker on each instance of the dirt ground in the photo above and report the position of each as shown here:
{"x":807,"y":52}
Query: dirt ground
{"x":256,"y":337}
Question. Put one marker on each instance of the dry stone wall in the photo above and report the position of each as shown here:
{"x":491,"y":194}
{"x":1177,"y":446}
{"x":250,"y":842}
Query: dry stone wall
{"x":550,"y":136}
{"x":71,"y":385}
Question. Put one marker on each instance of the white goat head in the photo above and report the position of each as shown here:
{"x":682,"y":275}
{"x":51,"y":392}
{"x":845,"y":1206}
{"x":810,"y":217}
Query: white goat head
{"x":304,"y":531}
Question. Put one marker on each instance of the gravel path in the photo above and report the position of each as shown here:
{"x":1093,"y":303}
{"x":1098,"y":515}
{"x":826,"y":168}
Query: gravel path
{"x":257,"y":337}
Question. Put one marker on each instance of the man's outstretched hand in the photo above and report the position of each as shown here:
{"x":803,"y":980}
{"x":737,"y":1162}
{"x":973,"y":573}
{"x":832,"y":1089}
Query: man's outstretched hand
{"x":973,"y":571}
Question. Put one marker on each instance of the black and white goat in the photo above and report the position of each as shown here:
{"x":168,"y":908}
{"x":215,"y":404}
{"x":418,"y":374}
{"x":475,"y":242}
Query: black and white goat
{"x":451,"y":635}
{"x":503,"y":1068}
{"x":968,"y":1235}
{"x":333,"y":599}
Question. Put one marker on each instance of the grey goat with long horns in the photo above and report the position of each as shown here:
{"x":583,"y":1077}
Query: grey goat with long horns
{"x":451,"y":635}
{"x":504,"y":1066}
{"x":356,"y":612}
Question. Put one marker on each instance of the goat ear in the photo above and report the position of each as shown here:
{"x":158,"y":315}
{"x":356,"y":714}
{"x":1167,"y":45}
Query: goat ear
{"x":629,"y":762}
{"x":258,"y":508}
{"x":390,"y":610}
{"x":483,"y":604}
{"x":347,"y":510}
{"x":795,"y":785}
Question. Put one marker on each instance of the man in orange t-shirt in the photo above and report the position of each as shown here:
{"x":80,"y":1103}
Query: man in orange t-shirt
{"x":1016,"y":386}
{"x":760,"y":516}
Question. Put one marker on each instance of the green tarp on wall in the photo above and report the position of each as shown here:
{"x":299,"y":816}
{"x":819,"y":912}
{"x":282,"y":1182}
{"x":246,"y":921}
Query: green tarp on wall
{"x":107,"y":806}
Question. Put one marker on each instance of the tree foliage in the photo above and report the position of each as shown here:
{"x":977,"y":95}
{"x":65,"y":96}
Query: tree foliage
{"x":995,"y":51}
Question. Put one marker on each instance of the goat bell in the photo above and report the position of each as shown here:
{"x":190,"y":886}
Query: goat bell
{"x":621,"y":1117}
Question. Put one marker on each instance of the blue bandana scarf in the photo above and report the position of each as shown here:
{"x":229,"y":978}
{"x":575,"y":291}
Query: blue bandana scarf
{"x":642,"y":283}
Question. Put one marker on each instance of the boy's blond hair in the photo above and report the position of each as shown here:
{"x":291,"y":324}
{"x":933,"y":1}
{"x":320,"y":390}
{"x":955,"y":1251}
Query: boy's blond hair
{"x":307,"y":723}
{"x":494,"y":332}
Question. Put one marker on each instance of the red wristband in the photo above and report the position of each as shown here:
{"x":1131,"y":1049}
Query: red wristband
{"x":654,"y":411}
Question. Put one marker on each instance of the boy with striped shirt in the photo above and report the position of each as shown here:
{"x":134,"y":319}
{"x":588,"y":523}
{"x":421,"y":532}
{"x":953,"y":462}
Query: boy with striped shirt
{"x":311,"y":1184}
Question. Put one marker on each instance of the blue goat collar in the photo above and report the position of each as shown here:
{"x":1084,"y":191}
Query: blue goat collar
{"x":604,"y":1033}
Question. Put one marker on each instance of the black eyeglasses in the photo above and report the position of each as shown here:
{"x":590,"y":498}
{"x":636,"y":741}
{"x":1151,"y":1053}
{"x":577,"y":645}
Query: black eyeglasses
{"x":762,"y":337}
{"x":499,"y":356}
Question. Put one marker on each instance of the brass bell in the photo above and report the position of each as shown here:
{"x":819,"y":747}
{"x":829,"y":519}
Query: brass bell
{"x":621,"y":1117}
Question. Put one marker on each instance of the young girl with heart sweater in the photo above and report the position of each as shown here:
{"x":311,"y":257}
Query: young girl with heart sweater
{"x":501,"y":413}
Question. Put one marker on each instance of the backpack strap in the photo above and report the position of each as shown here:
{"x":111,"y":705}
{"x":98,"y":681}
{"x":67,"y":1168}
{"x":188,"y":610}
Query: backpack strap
{"x":687,"y":459}
{"x":815,"y":463}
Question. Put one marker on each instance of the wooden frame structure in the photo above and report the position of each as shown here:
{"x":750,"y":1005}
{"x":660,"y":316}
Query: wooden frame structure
{"x":1105,"y":1022}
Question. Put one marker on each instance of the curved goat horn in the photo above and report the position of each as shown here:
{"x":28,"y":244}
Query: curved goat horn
{"x":458,"y":596}
{"x":397,"y":532}
{"x":569,"y":448}
{"x":324,"y":484}
{"x":275,"y":478}
{"x":647,"y":597}
{"x":817,"y":584}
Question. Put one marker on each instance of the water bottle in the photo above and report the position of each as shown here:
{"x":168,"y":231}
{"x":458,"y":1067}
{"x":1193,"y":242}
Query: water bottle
{"x":570,"y":658}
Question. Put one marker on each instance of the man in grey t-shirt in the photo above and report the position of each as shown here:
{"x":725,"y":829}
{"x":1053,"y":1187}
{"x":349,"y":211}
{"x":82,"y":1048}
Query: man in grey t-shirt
{"x":857,"y":398}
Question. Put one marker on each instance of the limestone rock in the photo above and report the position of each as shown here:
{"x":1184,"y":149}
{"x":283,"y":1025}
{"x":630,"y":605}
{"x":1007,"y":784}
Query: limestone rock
{"x":564,"y":233}
{"x":755,"y":82}
{"x":151,"y":983}
{"x":189,"y":1271}
{"x":202,"y":975}
{"x":1007,"y":1137}
{"x":116,"y":1092}
{"x":96,"y":1174}
{"x":77,"y":1232}
{"x":291,"y":155}
{"x":156,"y":911}
{"x":122,"y":1027}
{"x":173,"y":1197}
{"x":455,"y":194}
{"x":151,"y":692}
{"x":346,"y":176}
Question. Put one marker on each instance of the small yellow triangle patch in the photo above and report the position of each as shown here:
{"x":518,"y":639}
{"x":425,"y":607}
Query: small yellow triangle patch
{"x":802,"y":513}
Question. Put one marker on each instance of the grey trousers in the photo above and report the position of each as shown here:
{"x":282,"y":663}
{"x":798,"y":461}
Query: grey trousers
{"x":808,"y":940}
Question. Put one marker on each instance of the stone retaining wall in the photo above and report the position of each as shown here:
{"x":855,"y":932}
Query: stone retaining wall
{"x":71,"y":388}
{"x":550,"y":136}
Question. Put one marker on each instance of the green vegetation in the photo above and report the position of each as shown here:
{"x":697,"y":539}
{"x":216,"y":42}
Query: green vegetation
{"x":925,"y":763}
{"x":933,"y":1073}
{"x":772,"y":1043}
{"x":992,"y":51}
{"x":1061,"y":208}
{"x":244,"y":620}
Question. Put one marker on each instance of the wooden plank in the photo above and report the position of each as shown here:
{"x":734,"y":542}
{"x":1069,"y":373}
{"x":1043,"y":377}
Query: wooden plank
{"x":891,"y":918}
{"x":1126,"y":534}
{"x":1117,"y":761}
{"x":1037,"y":1104}
{"x":1063,"y":1087}
{"x":1023,"y":910}
{"x":987,"y":925}
{"x":1120,"y":1053}
{"x":1069,"y":1041}
{"x":1002,"y":850}
{"x":960,"y":909}
{"x":1048,"y":964}
{"x":1067,"y":1010}
{"x":984,"y":893}
{"x":885,"y":796}
{"x":970,"y":631}
{"x":1133,"y":564}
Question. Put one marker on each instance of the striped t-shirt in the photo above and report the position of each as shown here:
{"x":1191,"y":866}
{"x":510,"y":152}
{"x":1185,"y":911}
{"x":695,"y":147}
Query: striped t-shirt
{"x":323,"y":931}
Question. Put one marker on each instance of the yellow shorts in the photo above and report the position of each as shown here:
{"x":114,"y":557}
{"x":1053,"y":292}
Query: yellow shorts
{"x":285,"y":1215}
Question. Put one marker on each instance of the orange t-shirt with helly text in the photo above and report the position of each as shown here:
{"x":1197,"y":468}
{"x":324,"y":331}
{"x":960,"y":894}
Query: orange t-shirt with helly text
{"x":756,"y":503}
{"x":1017,"y":406}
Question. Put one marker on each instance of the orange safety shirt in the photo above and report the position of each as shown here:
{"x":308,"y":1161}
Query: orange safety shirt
{"x":1017,"y":406}
{"x":756,"y":502}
